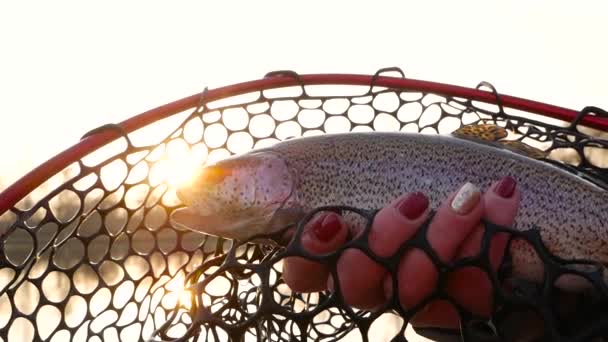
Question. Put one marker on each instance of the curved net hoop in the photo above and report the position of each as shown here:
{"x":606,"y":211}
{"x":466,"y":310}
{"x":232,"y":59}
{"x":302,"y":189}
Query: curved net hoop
{"x":90,"y":254}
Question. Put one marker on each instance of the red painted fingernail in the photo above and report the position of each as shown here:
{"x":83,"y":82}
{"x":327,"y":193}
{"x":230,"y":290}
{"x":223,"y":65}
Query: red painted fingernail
{"x":413,"y":205}
{"x":506,"y":187}
{"x":326,"y":229}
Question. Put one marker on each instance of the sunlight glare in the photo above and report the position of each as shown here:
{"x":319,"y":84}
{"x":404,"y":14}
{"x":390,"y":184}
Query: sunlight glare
{"x":180,"y":298}
{"x":178,"y":170}
{"x":185,"y":299}
{"x":178,"y":293}
{"x":178,"y":166}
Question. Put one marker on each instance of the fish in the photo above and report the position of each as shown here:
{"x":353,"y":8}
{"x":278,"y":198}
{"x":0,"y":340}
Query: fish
{"x":260,"y":191}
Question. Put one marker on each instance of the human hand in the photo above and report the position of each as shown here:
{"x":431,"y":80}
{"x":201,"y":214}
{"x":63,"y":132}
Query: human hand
{"x":455,"y":232}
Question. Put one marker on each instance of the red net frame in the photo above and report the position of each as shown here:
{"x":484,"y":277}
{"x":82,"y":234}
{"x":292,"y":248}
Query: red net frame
{"x":590,"y":117}
{"x":33,"y":179}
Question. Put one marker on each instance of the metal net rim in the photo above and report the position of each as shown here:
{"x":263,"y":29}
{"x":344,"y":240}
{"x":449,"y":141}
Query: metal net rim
{"x":23,"y":186}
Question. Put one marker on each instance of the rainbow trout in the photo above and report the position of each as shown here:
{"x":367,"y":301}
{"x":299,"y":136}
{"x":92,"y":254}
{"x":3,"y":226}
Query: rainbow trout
{"x":240,"y":196}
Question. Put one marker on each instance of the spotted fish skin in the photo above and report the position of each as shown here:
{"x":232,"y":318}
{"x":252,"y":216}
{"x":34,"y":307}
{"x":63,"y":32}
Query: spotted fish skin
{"x":369,"y":170}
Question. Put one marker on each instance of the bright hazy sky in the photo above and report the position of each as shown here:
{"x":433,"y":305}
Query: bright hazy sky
{"x":69,"y":66}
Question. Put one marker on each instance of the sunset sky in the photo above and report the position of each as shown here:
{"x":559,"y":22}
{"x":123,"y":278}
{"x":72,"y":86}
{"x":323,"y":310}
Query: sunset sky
{"x":69,"y":66}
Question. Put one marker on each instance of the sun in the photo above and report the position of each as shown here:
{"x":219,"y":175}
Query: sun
{"x":180,"y":169}
{"x":177,"y":167}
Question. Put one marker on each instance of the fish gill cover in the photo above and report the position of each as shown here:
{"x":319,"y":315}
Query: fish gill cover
{"x":91,"y":255}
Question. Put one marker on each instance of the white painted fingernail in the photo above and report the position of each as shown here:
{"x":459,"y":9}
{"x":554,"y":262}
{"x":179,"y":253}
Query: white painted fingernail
{"x":466,"y":199}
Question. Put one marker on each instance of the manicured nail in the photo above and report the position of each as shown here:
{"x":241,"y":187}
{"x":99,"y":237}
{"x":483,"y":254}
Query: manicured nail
{"x":466,"y":199}
{"x":327,"y":228}
{"x":506,"y":187}
{"x":413,"y":205}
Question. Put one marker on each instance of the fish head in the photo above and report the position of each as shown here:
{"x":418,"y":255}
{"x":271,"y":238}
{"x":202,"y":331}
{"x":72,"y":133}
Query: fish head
{"x":239,"y":197}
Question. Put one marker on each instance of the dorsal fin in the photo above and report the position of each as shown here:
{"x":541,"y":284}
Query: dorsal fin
{"x":522,"y":148}
{"x":487,"y":132}
{"x":495,"y":134}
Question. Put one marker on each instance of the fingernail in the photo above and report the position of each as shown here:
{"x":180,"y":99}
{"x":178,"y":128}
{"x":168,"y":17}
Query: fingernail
{"x":413,"y":205}
{"x":466,"y":199}
{"x":506,"y":187}
{"x":327,"y":228}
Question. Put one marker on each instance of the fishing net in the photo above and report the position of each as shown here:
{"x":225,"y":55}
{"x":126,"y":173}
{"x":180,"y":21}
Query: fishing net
{"x":89,"y":254}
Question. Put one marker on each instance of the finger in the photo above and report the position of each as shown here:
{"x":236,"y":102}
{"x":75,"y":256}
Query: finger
{"x":361,"y":279}
{"x":453,"y":222}
{"x":470,"y":286}
{"x":397,"y":223}
{"x":502,"y":205}
{"x":437,"y":314}
{"x":324,"y":234}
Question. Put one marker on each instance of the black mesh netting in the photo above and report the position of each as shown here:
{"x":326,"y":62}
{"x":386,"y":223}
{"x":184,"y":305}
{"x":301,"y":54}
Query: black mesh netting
{"x":90,"y":255}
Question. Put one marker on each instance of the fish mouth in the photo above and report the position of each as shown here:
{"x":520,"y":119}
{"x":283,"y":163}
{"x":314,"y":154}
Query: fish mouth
{"x":240,"y":227}
{"x":190,"y":219}
{"x":213,"y":224}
